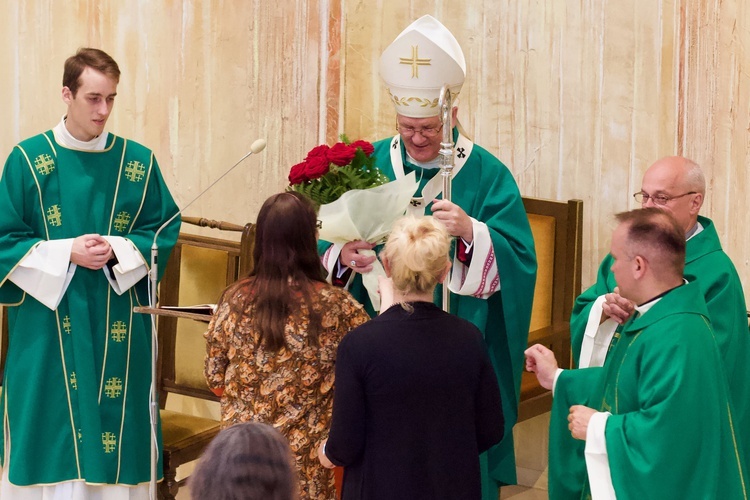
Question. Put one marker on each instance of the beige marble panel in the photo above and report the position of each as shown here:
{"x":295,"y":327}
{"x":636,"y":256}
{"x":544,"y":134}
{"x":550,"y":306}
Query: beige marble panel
{"x":715,"y":107}
{"x":201,"y":80}
{"x":579,"y":98}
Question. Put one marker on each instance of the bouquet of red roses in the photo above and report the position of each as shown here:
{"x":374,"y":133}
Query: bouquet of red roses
{"x":329,"y":172}
{"x":356,"y":200}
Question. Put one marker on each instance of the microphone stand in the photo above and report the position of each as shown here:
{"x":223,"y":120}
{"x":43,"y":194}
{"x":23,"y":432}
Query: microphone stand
{"x":255,"y":148}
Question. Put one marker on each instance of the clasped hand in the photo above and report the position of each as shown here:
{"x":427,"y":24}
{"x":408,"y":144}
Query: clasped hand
{"x":454,"y":219}
{"x":617,"y":307}
{"x":91,"y":251}
{"x":351,"y":258}
{"x":541,"y":361}
{"x":578,"y":421}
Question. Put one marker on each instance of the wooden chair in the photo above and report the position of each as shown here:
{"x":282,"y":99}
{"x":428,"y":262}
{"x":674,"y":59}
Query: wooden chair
{"x":557,"y":227}
{"x":199,"y":269}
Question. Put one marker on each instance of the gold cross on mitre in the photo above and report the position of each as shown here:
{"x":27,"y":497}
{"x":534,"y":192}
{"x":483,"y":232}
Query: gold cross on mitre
{"x":415,"y":61}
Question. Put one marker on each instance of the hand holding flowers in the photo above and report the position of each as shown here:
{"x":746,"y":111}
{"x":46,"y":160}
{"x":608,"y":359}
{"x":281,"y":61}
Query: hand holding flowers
{"x":357,"y":201}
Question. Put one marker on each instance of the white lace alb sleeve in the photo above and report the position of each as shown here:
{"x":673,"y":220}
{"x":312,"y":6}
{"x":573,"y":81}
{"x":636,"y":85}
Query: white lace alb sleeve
{"x":597,"y":459}
{"x":130,"y":267}
{"x":481,"y":278}
{"x":46,"y":271}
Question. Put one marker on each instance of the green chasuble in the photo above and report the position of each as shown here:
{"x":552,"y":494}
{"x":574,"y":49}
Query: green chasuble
{"x":672,"y":432}
{"x":486,"y":190}
{"x":76,"y":382}
{"x":710,"y":268}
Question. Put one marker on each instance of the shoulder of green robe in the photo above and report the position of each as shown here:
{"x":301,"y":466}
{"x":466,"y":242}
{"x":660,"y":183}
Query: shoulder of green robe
{"x":487,"y":156}
{"x":36,"y":141}
{"x":703,"y":243}
{"x":134,"y":148}
{"x":683,"y":300}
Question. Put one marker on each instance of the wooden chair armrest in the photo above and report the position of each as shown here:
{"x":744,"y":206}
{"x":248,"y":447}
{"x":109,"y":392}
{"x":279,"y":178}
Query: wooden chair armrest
{"x":203,"y":222}
{"x":550,"y":333}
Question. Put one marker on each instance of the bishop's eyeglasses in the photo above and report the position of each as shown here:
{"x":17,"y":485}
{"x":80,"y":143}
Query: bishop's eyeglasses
{"x":658,"y":199}
{"x":428,"y":132}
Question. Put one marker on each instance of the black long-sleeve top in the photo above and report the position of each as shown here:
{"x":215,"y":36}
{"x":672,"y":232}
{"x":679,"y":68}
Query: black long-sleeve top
{"x":416,"y":400}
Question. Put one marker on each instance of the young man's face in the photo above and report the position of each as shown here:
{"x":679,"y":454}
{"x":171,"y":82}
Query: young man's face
{"x":89,"y":109}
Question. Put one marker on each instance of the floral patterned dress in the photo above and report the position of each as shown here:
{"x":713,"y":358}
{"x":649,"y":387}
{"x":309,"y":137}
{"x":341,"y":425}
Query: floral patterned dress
{"x":291,"y":389}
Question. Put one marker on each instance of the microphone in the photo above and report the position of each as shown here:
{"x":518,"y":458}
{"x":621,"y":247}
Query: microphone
{"x":255,"y":148}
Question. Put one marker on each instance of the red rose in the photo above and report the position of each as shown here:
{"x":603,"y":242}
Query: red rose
{"x":365,"y":146}
{"x":318,"y":152}
{"x":316,"y":166}
{"x":341,"y":154}
{"x":297,"y":174}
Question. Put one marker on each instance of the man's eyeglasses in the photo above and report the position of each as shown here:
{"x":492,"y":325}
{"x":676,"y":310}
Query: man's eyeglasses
{"x":429,"y":132}
{"x":658,"y":199}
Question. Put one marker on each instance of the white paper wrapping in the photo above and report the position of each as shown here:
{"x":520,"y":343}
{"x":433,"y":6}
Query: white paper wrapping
{"x":367,"y":214}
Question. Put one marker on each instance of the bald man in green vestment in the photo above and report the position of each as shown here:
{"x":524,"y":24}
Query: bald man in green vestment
{"x":494,"y":264}
{"x":660,"y":422}
{"x":79,"y":209}
{"x":676,"y":185}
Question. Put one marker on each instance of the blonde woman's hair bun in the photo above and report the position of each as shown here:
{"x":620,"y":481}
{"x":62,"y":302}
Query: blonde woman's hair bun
{"x":417,"y":251}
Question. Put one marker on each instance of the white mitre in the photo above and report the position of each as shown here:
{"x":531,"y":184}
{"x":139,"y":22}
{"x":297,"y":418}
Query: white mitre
{"x":423,"y":58}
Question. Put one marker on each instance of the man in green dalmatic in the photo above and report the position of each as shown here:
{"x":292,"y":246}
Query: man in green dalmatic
{"x":676,"y":185}
{"x":660,"y":422}
{"x":494,"y":263}
{"x":79,"y":208}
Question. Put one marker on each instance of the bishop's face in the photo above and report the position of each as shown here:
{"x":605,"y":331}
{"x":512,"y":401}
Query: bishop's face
{"x":421,"y":136}
{"x":90,"y":107}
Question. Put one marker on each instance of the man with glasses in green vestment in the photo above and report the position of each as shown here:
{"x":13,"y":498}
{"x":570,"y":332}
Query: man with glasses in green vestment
{"x":659,"y":421}
{"x":676,"y":185}
{"x":79,"y":209}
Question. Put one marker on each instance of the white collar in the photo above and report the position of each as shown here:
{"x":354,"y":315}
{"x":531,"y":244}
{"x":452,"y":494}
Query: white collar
{"x":65,"y":138}
{"x":432,"y":164}
{"x":643,"y":309}
{"x":697,"y":228}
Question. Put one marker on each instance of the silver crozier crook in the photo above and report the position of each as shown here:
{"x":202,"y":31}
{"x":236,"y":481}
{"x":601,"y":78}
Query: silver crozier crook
{"x":446,"y":165}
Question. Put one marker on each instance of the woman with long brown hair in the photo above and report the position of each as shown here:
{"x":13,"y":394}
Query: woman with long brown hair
{"x":272,"y":343}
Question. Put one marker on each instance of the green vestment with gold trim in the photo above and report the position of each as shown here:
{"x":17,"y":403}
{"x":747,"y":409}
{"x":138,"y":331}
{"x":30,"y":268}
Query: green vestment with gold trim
{"x":710,"y":268}
{"x":672,"y":432}
{"x":486,"y":190}
{"x":76,"y":382}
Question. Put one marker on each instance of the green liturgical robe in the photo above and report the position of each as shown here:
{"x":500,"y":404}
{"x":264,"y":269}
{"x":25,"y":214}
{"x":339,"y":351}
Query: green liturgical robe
{"x":672,"y":432}
{"x":710,"y":268}
{"x":76,"y":383}
{"x":486,"y":190}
